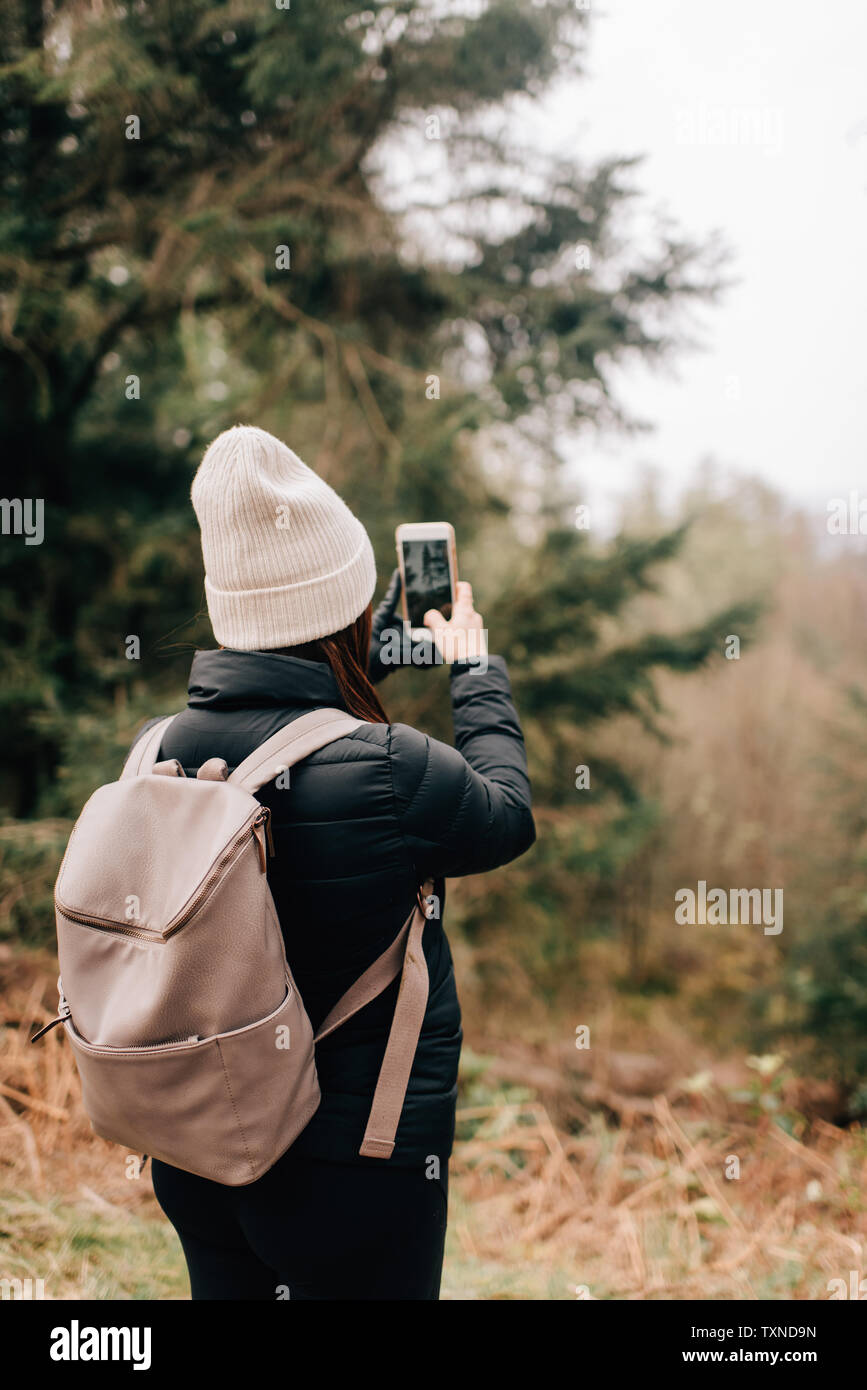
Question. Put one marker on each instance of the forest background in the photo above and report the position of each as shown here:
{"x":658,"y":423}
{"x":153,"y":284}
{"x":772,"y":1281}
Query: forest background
{"x":199,"y":226}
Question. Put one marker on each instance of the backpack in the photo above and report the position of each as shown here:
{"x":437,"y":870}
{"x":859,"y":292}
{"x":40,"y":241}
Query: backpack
{"x":189,"y":1034}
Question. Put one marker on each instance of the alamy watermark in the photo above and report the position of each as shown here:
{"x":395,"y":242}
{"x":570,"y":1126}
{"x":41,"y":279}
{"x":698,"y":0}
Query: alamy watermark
{"x":21,"y":1290}
{"x":400,"y":647}
{"x":758,"y":126}
{"x":23,"y":516}
{"x":717,"y":907}
{"x":77,"y":1343}
{"x":847,"y":516}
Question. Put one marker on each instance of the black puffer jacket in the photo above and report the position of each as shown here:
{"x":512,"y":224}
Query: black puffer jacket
{"x":363,"y":822}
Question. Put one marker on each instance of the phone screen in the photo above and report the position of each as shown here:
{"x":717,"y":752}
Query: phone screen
{"x":427,"y":578}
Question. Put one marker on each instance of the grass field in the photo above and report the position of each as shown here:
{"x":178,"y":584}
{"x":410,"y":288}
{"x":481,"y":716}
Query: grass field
{"x":611,"y":1180}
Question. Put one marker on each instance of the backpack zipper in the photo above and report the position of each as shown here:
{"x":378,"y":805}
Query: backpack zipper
{"x":262,"y":831}
{"x":61,"y":1018}
{"x":254,"y":826}
{"x":194,"y":1041}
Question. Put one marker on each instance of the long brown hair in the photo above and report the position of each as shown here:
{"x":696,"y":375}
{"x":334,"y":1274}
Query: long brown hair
{"x":346,"y":652}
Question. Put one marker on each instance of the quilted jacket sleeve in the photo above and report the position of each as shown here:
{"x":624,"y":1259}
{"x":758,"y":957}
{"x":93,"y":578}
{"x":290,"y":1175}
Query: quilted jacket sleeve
{"x":466,"y":809}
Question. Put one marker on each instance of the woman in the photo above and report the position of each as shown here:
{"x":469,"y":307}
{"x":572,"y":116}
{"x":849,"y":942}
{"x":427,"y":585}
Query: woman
{"x":357,"y":828}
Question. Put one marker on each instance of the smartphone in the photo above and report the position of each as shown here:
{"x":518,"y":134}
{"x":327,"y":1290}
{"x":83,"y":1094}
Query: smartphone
{"x":427,"y":557}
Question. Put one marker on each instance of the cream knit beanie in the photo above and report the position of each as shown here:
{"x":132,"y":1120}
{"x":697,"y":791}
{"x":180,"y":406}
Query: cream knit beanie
{"x":285,"y":559}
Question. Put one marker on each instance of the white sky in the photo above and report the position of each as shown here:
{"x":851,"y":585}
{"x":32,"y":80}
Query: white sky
{"x":784,"y":86}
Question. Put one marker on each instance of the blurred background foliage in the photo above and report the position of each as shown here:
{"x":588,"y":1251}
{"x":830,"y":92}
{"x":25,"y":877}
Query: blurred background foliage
{"x":434,"y":355}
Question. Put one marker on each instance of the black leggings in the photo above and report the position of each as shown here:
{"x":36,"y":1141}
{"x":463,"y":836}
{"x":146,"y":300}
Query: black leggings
{"x":310,"y":1229}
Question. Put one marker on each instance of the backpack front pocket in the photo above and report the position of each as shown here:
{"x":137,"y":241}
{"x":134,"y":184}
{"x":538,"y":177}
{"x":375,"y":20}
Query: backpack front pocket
{"x":224,"y":1107}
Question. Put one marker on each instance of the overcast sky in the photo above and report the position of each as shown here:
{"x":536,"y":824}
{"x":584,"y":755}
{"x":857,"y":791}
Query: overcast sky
{"x":753,"y":118}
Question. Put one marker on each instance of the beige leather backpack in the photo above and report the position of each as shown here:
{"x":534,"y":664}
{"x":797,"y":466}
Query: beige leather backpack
{"x":190,"y":1037}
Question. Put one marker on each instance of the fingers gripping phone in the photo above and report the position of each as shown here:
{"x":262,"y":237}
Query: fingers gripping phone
{"x":427,"y":556}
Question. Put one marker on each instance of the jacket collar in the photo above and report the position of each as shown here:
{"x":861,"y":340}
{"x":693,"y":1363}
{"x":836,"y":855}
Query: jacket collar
{"x":250,"y":680}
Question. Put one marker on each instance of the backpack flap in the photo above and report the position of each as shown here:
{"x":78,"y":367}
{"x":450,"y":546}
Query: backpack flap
{"x":143,"y":850}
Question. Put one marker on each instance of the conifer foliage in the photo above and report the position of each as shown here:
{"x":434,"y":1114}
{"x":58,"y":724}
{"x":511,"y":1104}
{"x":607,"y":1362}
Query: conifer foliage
{"x":202,"y":221}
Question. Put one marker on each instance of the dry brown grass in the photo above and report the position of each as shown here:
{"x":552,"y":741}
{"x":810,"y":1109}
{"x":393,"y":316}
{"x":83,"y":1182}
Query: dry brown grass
{"x":46,"y":1143}
{"x":576,"y":1179}
{"x":644,"y":1211}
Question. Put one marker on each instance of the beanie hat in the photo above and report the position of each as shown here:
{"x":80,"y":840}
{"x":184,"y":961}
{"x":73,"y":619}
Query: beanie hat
{"x":285,"y":559}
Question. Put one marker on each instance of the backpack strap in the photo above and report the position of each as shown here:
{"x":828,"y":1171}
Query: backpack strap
{"x":405,"y":955}
{"x":143,"y":754}
{"x":283,"y":749}
{"x":292,"y":743}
